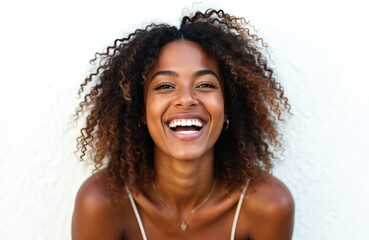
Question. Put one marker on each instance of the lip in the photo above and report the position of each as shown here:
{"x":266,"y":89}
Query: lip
{"x":186,"y":136}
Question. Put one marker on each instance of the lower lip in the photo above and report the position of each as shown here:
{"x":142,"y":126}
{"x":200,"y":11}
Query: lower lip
{"x":186,"y":136}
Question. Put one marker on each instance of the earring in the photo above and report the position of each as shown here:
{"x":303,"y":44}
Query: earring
{"x":141,"y":125}
{"x":227,"y":125}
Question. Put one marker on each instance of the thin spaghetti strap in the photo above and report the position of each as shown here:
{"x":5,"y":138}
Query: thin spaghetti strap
{"x":238,"y":210}
{"x":138,"y":218}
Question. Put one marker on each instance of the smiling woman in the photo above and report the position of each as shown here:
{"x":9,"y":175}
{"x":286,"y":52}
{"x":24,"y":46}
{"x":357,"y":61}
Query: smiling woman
{"x":179,"y":125}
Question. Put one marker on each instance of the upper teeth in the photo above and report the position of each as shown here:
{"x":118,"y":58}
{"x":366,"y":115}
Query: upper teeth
{"x":185,"y":122}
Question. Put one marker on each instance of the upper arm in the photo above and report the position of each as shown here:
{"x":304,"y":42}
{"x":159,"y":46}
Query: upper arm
{"x":273,"y":212}
{"x":93,"y":216}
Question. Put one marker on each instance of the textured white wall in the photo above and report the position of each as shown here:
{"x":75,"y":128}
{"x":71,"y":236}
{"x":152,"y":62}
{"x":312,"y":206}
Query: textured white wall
{"x":321,"y":53}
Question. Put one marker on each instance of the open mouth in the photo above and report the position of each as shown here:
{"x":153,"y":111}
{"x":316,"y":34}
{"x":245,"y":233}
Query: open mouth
{"x":186,"y":126}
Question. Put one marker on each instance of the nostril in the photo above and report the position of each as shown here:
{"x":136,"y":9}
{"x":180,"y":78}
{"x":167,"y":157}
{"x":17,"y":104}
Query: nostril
{"x":186,"y":103}
{"x":185,"y":98}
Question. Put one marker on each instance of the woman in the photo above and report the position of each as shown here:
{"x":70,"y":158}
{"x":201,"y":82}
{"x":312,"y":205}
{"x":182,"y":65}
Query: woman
{"x":180,"y":125}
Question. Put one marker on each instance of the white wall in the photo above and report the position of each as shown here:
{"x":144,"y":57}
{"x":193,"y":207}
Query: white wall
{"x":320,"y":50}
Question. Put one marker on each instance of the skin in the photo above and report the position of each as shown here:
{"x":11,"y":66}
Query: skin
{"x":184,"y":84}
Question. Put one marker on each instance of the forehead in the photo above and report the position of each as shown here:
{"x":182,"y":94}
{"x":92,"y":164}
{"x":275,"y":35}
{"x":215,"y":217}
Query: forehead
{"x":184,"y":55}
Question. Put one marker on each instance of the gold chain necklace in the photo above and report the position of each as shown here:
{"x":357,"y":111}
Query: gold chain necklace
{"x":184,"y":225}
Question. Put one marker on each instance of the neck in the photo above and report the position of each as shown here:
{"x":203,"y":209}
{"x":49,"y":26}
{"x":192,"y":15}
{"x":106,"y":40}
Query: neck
{"x":183,"y":184}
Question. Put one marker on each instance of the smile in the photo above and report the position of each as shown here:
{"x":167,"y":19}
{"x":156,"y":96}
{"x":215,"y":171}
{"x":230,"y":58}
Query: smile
{"x":186,"y":126}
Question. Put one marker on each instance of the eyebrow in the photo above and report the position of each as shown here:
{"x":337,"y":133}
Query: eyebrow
{"x":206,"y":72}
{"x":164,"y":73}
{"x":196,"y":75}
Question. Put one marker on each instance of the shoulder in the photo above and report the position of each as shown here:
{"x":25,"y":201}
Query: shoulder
{"x":270,"y":196}
{"x":270,"y":206}
{"x":95,"y":212}
{"x":93,"y":193}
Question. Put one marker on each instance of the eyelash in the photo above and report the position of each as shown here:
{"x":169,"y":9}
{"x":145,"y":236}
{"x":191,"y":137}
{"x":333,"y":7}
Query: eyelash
{"x":163,"y":86}
{"x":206,"y":85}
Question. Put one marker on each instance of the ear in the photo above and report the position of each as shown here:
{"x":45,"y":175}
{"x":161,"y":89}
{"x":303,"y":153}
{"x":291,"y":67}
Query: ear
{"x":143,"y":119}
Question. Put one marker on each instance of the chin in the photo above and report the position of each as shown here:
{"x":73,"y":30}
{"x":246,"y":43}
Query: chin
{"x":191,"y":154}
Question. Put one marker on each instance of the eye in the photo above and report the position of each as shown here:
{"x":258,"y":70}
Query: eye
{"x":206,"y":85}
{"x":163,"y":86}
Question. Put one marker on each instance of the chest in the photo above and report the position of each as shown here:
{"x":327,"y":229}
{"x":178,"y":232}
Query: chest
{"x":203,"y":225}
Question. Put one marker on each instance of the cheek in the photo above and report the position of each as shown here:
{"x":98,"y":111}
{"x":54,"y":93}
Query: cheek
{"x":155,"y":108}
{"x":216,"y":105}
{"x":152,"y":112}
{"x":153,"y":121}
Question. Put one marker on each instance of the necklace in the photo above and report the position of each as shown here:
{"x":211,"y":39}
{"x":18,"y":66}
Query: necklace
{"x":184,"y":225}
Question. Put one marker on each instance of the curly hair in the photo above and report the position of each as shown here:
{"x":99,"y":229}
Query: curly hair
{"x":254,"y":101}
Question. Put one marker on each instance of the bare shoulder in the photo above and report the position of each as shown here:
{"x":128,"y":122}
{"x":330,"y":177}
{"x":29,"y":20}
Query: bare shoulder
{"x":95,"y":212}
{"x":270,"y":206}
{"x":271,"y":197}
{"x":93,"y":191}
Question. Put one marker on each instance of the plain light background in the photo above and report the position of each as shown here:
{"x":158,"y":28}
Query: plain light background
{"x":320,"y":50}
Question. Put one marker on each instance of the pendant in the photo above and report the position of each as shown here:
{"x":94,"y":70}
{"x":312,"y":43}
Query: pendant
{"x":184,"y":226}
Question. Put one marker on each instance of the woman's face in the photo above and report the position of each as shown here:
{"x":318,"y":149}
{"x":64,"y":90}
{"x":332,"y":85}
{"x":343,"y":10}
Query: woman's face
{"x":184,"y":102}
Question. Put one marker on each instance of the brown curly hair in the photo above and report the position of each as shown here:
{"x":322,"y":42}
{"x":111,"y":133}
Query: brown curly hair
{"x":254,"y":101}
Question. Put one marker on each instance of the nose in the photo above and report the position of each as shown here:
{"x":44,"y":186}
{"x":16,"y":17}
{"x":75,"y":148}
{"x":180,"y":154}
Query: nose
{"x":185,"y":98}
